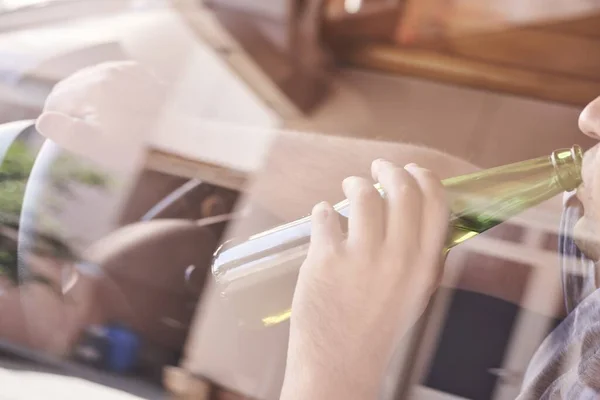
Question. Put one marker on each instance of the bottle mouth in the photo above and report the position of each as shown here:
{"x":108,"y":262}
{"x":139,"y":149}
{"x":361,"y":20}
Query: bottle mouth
{"x":567,"y":164}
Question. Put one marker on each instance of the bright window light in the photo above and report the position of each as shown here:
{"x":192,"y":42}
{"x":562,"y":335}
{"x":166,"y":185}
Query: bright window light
{"x":352,"y":6}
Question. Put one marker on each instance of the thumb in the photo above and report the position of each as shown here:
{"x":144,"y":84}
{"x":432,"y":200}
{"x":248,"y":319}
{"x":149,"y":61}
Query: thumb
{"x":60,"y":127}
{"x":70,"y":133}
{"x":53,"y":125}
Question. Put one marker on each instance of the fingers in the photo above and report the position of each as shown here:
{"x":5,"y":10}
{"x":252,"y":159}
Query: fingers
{"x":112,"y":87}
{"x":70,"y":133}
{"x":434,"y":221}
{"x":78,"y":137}
{"x":413,"y":218}
{"x":97,"y":74}
{"x":66,"y":101}
{"x":366,"y":221}
{"x":404,"y":205}
{"x":326,"y":225}
{"x":326,"y":233}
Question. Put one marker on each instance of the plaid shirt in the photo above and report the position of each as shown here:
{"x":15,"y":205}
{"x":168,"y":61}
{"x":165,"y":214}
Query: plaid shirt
{"x":567,"y":364}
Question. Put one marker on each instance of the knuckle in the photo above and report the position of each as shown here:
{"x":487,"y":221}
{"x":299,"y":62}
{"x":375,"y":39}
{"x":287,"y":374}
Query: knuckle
{"x":385,"y":166}
{"x":429,"y":176}
{"x":109,"y":70}
{"x":113,"y":73}
{"x":408,"y":189}
{"x":434,"y":184}
{"x":401,"y":179}
{"x":334,"y":252}
{"x":404,"y":189}
{"x":326,"y":255}
{"x":365,"y":193}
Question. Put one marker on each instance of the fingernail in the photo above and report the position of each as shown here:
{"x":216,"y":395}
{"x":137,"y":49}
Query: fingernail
{"x":411,"y":165}
{"x":348,"y":183}
{"x":379,"y":162}
{"x":321,"y":211}
{"x":49,"y":124}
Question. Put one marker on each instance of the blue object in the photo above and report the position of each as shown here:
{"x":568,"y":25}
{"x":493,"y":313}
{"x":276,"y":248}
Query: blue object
{"x":109,"y":347}
{"x":122,"y":350}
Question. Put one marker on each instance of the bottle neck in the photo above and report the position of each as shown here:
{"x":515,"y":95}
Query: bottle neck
{"x":567,"y":166}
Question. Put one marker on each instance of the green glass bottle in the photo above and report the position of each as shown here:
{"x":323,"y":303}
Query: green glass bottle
{"x":257,"y":275}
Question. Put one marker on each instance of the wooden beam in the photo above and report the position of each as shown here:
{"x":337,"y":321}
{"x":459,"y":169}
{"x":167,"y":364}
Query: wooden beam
{"x":203,"y":22}
{"x":585,"y":26}
{"x":213,"y":173}
{"x":304,"y":84}
{"x":459,"y":70}
{"x":543,"y":50}
{"x":291,"y":78}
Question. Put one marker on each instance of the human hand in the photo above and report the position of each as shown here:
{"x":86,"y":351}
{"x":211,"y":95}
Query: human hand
{"x":101,"y":109}
{"x":356,"y":295}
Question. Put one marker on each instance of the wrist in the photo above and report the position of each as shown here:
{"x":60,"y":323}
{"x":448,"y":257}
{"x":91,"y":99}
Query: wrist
{"x":320,"y":379}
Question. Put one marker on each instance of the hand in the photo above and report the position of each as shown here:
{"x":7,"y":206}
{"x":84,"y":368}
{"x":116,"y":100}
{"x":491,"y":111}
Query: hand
{"x":101,"y":109}
{"x":356,"y":295}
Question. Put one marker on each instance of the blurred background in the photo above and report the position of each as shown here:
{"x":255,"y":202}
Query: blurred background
{"x":485,"y":82}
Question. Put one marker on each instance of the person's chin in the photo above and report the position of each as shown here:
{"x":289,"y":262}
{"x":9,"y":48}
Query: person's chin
{"x":586,"y":238}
